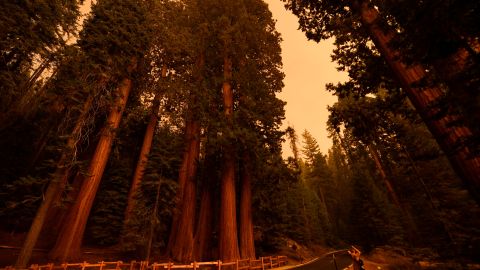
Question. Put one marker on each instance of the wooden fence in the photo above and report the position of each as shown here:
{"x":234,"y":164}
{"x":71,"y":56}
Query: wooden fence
{"x":247,"y":264}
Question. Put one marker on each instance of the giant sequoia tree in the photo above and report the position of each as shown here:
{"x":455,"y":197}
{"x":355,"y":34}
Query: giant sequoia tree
{"x":322,"y":19}
{"x":107,"y":52}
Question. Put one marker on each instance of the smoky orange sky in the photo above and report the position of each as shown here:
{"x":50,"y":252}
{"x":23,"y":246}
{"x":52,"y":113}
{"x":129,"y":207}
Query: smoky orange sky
{"x":307,"y":67}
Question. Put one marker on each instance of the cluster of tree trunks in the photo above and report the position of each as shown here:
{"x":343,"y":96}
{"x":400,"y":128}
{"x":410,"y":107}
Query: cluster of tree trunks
{"x":187,"y":243}
{"x":228,"y":241}
{"x":188,"y":240}
{"x":70,"y":238}
{"x":54,"y":190}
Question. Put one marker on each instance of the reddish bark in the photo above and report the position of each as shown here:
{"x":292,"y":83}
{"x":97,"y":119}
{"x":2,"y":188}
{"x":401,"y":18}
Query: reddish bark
{"x":69,"y":241}
{"x":182,"y":178}
{"x":58,"y":212}
{"x":228,"y":242}
{"x":247,"y":246}
{"x":142,"y":159}
{"x":383,"y":175}
{"x":204,"y":230}
{"x":203,"y":234}
{"x":144,"y":152}
{"x":181,"y":240}
{"x":182,"y":246}
{"x":412,"y":228}
{"x":54,"y":190}
{"x":449,"y":138}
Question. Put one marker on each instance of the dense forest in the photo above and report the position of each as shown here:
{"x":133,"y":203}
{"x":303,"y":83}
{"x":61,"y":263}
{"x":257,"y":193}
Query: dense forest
{"x":152,"y":128}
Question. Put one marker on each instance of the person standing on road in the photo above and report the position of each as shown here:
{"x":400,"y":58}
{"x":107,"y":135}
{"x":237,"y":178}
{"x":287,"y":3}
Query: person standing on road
{"x":357,"y":262}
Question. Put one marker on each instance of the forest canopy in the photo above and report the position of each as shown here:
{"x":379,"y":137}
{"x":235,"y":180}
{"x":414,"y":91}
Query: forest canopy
{"x":153,"y":130}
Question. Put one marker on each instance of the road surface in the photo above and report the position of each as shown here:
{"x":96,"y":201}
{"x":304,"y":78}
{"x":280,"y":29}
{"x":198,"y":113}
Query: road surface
{"x":326,"y":262}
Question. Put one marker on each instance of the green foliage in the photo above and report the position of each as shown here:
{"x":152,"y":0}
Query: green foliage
{"x":427,"y":32}
{"x":416,"y":168}
{"x":114,"y":49}
{"x":30,"y":30}
{"x":372,"y":109}
{"x":160,"y":176}
{"x":19,"y":202}
{"x":107,"y":215}
{"x":324,"y":200}
{"x":273,"y":215}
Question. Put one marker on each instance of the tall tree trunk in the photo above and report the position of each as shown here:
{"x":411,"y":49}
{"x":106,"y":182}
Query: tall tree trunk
{"x":203,"y":234}
{"x":247,"y":246}
{"x":58,"y":211}
{"x":346,"y":149}
{"x":204,"y":230}
{"x":182,"y":247}
{"x":25,"y":95}
{"x":181,"y":241}
{"x":449,"y":138}
{"x":152,"y":220}
{"x":228,"y":241}
{"x":412,"y":228}
{"x":69,"y":241}
{"x":435,"y":209}
{"x":308,"y":228}
{"x":144,"y":152}
{"x":27,"y":88}
{"x":323,"y":202}
{"x":55,"y":188}
{"x":383,"y":175}
{"x":182,"y":178}
{"x":142,"y":159}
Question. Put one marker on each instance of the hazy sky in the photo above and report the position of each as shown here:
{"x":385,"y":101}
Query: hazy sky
{"x":308,"y":67}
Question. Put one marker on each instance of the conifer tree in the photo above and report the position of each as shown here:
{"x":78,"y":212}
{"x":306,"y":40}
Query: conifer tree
{"x":114,"y":52}
{"x":145,"y":151}
{"x":181,"y":242}
{"x":450,"y":128}
{"x":31,"y":32}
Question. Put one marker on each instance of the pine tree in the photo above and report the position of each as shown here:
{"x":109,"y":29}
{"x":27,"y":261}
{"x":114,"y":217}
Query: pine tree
{"x":310,"y":148}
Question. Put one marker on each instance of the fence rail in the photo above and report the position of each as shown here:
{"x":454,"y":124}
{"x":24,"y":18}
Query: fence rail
{"x":245,"y":264}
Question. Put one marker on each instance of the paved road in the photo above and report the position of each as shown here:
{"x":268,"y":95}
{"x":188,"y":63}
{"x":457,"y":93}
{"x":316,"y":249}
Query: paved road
{"x":327,"y":263}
